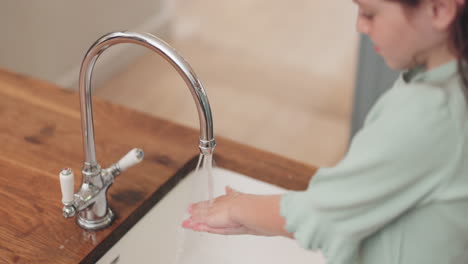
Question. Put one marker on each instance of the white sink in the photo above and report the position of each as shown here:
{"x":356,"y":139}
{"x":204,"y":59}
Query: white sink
{"x":159,"y":238}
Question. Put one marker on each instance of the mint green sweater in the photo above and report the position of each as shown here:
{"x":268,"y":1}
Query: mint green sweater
{"x":400,"y":195}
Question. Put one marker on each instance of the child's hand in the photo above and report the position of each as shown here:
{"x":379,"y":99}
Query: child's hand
{"x":238,"y":213}
{"x":216,"y":217}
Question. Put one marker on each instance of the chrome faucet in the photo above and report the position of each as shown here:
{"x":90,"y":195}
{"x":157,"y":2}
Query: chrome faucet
{"x":90,"y":202}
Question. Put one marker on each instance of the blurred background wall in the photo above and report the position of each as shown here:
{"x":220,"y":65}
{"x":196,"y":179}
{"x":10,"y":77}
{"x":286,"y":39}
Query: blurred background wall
{"x":47,"y":39}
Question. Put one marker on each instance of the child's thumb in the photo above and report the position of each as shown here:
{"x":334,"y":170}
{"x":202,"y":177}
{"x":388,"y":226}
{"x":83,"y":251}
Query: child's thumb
{"x":230,"y":190}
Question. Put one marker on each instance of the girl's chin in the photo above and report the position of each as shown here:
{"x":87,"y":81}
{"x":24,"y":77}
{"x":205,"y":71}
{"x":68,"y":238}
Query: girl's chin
{"x":398,"y":65}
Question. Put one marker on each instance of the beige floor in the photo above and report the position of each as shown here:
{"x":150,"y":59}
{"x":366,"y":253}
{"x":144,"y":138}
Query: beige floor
{"x":279,"y":74}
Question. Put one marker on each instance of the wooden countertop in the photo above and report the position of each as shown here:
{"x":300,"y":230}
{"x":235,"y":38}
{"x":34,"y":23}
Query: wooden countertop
{"x":40,"y":133}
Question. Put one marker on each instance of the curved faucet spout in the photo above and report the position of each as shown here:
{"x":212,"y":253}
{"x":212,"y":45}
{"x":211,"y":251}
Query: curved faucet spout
{"x":207,"y":142}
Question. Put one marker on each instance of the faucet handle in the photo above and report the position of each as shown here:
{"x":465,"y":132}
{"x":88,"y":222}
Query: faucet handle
{"x":66,"y":184}
{"x":132,"y":158}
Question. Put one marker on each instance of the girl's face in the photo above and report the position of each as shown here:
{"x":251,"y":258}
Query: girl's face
{"x":404,"y":37}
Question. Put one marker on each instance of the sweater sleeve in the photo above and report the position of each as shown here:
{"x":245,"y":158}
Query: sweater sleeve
{"x":394,"y":164}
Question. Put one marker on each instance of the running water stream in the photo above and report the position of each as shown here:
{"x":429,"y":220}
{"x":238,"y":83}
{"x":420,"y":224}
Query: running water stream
{"x":202,"y":190}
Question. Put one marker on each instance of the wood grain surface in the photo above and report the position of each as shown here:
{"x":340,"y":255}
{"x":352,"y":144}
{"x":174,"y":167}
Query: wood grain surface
{"x":40,"y":133}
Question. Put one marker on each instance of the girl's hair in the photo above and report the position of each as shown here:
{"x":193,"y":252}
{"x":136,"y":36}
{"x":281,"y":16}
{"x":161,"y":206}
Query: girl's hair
{"x":459,"y":38}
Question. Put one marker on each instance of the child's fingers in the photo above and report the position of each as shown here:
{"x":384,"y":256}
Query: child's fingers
{"x":203,"y":227}
{"x":230,"y":190}
{"x":199,"y":211}
{"x":237,"y":230}
{"x":188,"y":223}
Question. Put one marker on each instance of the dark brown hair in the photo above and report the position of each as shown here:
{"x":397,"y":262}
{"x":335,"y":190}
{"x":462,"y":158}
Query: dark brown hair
{"x":459,"y":38}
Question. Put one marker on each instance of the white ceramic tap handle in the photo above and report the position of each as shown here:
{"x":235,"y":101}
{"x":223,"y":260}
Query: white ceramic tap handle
{"x":66,"y":184}
{"x":130,"y":159}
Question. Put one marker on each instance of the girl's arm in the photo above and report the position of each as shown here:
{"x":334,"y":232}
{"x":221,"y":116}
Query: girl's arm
{"x":238,"y":213}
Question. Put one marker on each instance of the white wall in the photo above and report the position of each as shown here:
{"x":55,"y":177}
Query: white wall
{"x":47,"y":39}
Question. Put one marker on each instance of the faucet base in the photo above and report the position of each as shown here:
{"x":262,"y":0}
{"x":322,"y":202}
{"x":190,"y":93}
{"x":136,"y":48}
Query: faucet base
{"x":98,"y":224}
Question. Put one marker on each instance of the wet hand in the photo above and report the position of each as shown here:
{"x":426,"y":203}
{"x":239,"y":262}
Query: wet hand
{"x":216,"y":216}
